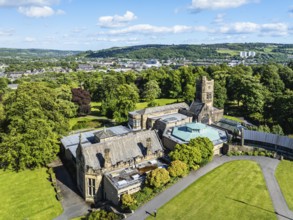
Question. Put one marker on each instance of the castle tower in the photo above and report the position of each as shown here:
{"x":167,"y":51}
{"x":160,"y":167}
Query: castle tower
{"x":205,"y":91}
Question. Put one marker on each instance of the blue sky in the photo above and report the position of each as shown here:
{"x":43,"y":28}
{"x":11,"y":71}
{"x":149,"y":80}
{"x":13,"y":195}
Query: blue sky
{"x":98,"y":24}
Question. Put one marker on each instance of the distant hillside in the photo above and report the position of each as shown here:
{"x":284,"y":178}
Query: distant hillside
{"x":29,"y":53}
{"x":266,"y":52}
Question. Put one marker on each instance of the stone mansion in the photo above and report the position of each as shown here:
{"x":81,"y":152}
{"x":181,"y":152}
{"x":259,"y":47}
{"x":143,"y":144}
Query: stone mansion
{"x":112,"y":161}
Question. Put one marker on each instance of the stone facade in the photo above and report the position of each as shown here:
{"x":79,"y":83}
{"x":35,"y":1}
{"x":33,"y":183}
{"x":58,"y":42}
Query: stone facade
{"x":142,"y":119}
{"x":93,"y":161}
{"x":202,"y":108}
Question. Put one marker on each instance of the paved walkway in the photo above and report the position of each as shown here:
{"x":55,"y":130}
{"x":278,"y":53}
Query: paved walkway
{"x":73,"y":205}
{"x":268,"y":166}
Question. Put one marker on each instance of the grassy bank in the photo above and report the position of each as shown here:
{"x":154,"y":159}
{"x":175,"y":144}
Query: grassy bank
{"x":27,"y":195}
{"x":236,"y":190}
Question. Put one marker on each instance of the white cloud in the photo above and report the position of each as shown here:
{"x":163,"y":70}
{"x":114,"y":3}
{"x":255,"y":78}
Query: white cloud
{"x":217,"y":4}
{"x":151,"y":29}
{"x":116,"y":20}
{"x":106,"y":39}
{"x":272,"y":29}
{"x":36,"y":11}
{"x":33,"y":8}
{"x":240,"y":28}
{"x":39,"y":11}
{"x":30,"y":39}
{"x":17,"y":3}
{"x":276,"y":29}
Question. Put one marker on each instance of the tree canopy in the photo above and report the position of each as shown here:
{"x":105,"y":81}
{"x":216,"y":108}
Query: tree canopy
{"x":187,"y":154}
{"x":35,"y":117}
{"x":82,"y":99}
{"x":158,"y":177}
{"x":178,"y":168}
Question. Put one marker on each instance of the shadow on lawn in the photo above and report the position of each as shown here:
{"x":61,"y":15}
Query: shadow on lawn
{"x":245,"y":203}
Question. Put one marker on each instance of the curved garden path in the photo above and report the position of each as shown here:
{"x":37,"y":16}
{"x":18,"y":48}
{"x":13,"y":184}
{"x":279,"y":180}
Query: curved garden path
{"x":268,"y":166}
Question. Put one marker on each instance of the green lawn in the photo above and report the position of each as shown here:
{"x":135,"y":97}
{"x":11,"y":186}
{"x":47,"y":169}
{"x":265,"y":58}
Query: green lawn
{"x":232,"y":118}
{"x":235,"y":190}
{"x":88,"y":121}
{"x":142,"y":105}
{"x":27,"y":195}
{"x":284,"y":176}
{"x":227,"y":51}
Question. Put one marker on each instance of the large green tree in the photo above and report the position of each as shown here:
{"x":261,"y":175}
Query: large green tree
{"x":205,"y":146}
{"x":34,"y":120}
{"x":121,"y":101}
{"x":151,"y":91}
{"x":282,"y":110}
{"x":187,"y":154}
{"x":178,"y":168}
{"x":158,"y":177}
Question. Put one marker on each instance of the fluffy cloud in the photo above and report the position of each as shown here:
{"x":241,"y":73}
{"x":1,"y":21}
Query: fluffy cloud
{"x":217,"y":4}
{"x":273,"y":29}
{"x":239,"y":28}
{"x":17,"y":3}
{"x":33,"y":8}
{"x":116,"y":20}
{"x":39,"y":11}
{"x":151,"y":29}
{"x":107,"y":39}
{"x":30,"y":39}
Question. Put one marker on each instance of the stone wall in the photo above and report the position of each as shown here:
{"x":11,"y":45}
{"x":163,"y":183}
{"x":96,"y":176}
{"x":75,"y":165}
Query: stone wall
{"x":110,"y":191}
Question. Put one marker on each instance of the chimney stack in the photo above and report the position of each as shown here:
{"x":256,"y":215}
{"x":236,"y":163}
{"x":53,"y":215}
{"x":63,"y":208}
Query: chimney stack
{"x":107,"y":162}
{"x":149,"y":146}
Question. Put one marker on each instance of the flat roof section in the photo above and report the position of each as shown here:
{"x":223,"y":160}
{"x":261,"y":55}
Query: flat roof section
{"x":132,"y":175}
{"x":170,"y":118}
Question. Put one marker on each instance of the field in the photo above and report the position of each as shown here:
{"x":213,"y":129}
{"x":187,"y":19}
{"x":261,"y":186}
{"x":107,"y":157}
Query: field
{"x":227,"y":51}
{"x":235,"y":190}
{"x":284,"y":176}
{"x":233,"y":118}
{"x":94,"y":120}
{"x":142,"y":105}
{"x":27,"y":195}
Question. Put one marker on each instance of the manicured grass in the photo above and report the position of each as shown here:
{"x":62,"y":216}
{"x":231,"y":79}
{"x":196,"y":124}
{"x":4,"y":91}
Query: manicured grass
{"x":88,"y":121}
{"x":235,"y":190}
{"x":232,"y":118}
{"x":284,"y":176}
{"x":142,"y":105}
{"x":27,"y":195}
{"x":95,"y":104}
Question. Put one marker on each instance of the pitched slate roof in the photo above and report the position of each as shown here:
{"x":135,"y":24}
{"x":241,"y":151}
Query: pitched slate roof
{"x":87,"y":138}
{"x":161,"y":108}
{"x":196,"y":107}
{"x":122,"y":148}
{"x":105,"y":133}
